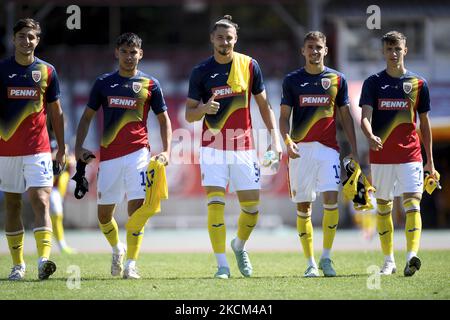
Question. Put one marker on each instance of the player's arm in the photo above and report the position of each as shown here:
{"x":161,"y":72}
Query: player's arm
{"x":195,"y":110}
{"x":349,"y":129}
{"x":366,"y":127}
{"x":427,"y":140}
{"x":269,"y":120}
{"x":285,"y":128}
{"x":165,"y":127}
{"x":82,"y":131}
{"x":57,"y":121}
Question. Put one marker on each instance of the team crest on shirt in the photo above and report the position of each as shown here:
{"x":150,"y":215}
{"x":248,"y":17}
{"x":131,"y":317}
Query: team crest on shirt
{"x":326,"y":83}
{"x":36,"y":75}
{"x":407,"y":87}
{"x":137,"y":86}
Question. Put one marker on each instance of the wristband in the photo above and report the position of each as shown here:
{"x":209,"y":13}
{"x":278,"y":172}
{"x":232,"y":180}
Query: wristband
{"x":288,"y":140}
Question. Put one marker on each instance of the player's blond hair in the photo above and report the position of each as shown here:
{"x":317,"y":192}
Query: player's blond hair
{"x":27,"y":23}
{"x":225,"y":22}
{"x":315,"y":35}
{"x":393,"y":37}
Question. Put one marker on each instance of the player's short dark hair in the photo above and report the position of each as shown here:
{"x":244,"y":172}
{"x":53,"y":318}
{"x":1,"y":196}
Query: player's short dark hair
{"x":314,"y":35}
{"x":27,"y":23}
{"x":393,"y":37}
{"x":225,"y":22}
{"x":130,"y":39}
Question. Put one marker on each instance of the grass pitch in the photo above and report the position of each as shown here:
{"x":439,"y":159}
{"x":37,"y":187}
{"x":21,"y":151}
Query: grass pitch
{"x":188,"y":276}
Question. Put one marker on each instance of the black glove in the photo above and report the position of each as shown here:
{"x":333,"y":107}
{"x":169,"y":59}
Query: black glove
{"x":57,"y":168}
{"x":82,"y":184}
{"x":359,"y":197}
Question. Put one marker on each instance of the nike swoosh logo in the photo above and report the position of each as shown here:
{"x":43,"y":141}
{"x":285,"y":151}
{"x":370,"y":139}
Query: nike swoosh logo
{"x":108,"y":232}
{"x":384,"y":87}
{"x":214,"y":75}
{"x":332,"y":227}
{"x":217,"y":225}
{"x":301,"y":234}
{"x":413,"y":229}
{"x":12,"y":76}
{"x":304,"y":84}
{"x":382,"y":233}
{"x":114,"y":85}
{"x":17,"y":247}
{"x":137,"y":234}
{"x":251,"y":226}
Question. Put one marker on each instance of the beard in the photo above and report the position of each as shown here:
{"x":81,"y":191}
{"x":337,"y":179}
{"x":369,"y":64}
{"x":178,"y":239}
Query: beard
{"x":223,"y":51}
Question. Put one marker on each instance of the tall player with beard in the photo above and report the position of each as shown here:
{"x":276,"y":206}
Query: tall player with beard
{"x":126,"y":97}
{"x":390,"y":101}
{"x":29,"y":90}
{"x":220,"y":89}
{"x":314,"y":95}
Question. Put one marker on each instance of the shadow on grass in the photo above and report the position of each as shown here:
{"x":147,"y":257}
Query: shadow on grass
{"x":240,"y":278}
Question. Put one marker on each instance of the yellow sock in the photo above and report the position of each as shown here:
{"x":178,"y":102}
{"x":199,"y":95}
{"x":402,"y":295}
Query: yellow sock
{"x":15,"y":244}
{"x":216,"y":221}
{"x":247,"y":219}
{"x":385,"y":228}
{"x":413,"y":225}
{"x":111,"y":232}
{"x":43,"y":238}
{"x":329,"y":225}
{"x":134,"y":241}
{"x":305,"y":232}
{"x":58,"y":228}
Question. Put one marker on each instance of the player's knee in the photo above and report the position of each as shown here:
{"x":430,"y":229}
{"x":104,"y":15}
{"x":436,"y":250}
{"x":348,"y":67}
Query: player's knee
{"x":411,"y":205}
{"x":40,"y":196}
{"x":414,"y":195}
{"x":13,"y":203}
{"x":40,"y":203}
{"x":330,"y":197}
{"x":384,"y":207}
{"x":304,"y":207}
{"x":216,"y":197}
{"x":104,"y":217}
{"x":303,"y":214}
{"x":133,"y":205}
{"x":249,"y":207}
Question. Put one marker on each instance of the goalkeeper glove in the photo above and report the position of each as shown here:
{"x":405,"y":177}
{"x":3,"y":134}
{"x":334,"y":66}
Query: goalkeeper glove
{"x":82,"y":184}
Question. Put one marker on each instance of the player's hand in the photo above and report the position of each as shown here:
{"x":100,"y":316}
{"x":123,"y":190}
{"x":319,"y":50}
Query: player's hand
{"x":429,"y":167}
{"x":375,"y":143}
{"x":276,"y":147}
{"x":163,"y":157}
{"x":84,"y":155}
{"x":292,"y":150}
{"x":211,"y":107}
{"x":61,"y":156}
{"x":60,"y":161}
